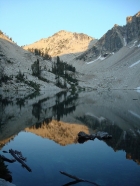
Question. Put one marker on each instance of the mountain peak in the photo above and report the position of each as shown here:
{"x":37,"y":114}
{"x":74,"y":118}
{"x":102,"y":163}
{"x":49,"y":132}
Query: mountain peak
{"x":129,"y":19}
{"x":63,"y":42}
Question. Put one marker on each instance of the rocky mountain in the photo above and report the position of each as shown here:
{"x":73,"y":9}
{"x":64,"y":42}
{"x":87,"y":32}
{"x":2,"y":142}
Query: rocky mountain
{"x":114,"y":39}
{"x":63,"y":42}
{"x":112,"y":62}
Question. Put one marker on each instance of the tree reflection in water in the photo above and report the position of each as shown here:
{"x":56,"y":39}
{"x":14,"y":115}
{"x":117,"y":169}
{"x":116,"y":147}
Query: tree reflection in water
{"x":63,"y":105}
{"x":4,"y":172}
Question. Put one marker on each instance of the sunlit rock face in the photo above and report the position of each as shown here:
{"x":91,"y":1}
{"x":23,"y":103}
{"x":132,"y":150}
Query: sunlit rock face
{"x":133,"y":27}
{"x":58,"y":131}
{"x":63,"y":42}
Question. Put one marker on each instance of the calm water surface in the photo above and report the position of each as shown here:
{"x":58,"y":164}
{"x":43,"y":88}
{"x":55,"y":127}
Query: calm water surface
{"x":45,"y":130}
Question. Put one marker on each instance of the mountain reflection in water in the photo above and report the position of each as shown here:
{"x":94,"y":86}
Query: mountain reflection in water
{"x":60,"y":117}
{"x":58,"y":131}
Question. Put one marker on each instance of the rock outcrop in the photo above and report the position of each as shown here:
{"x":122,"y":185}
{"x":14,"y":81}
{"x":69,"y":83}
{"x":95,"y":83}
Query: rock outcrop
{"x":132,"y":28}
{"x":82,"y":136}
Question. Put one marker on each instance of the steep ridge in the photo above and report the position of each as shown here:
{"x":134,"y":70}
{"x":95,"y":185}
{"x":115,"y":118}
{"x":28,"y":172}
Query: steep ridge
{"x":114,"y":39}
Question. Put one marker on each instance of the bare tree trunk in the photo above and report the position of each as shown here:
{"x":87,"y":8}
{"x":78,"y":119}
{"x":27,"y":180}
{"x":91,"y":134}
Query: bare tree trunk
{"x":77,"y":179}
{"x":19,"y":160}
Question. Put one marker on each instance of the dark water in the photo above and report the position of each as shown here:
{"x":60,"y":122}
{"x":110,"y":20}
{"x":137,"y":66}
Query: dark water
{"x":42,"y":129}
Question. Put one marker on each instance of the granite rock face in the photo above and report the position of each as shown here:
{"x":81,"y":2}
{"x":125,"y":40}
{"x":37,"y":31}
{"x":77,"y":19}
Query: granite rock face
{"x":132,"y":27}
{"x":114,"y":39}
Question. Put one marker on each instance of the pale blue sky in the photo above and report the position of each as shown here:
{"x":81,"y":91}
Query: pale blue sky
{"x":27,"y":21}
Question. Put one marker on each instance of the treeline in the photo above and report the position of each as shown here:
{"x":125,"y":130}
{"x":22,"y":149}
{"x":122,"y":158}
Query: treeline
{"x":64,"y":73}
{"x":40,"y":52}
{"x":61,"y":67}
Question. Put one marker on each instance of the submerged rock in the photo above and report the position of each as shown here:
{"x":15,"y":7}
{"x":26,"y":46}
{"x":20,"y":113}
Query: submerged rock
{"x":86,"y":136}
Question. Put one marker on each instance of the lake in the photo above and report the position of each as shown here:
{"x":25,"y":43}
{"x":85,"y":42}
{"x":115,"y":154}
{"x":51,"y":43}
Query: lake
{"x":45,"y":127}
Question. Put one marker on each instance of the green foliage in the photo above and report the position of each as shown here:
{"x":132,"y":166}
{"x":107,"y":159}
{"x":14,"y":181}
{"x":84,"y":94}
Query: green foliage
{"x":70,"y":78}
{"x":20,"y":76}
{"x":60,"y":69}
{"x":33,"y":84}
{"x":61,"y":66}
{"x":5,"y":78}
{"x":41,"y":53}
{"x":43,"y":79}
{"x":35,"y":68}
{"x":47,"y":56}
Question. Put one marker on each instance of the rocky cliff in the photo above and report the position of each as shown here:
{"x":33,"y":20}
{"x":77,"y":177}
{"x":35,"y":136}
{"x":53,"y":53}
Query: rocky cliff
{"x":114,"y":39}
{"x":114,"y":61}
{"x":132,"y":28}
